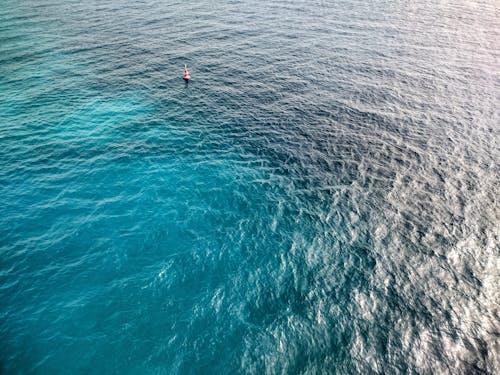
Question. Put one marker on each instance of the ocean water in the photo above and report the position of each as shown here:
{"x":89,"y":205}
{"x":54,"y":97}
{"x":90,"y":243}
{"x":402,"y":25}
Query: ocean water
{"x":321,"y":198}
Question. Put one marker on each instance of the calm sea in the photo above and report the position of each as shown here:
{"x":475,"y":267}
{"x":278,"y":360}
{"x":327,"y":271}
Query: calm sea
{"x":321,"y":198}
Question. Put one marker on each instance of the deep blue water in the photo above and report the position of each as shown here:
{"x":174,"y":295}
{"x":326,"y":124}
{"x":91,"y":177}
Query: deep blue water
{"x":322,"y":197}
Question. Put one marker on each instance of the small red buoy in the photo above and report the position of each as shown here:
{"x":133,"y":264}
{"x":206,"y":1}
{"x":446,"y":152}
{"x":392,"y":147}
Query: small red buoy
{"x":186,"y":75}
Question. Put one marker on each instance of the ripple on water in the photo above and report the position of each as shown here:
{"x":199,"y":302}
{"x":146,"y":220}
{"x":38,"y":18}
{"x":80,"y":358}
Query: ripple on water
{"x":322,"y":196}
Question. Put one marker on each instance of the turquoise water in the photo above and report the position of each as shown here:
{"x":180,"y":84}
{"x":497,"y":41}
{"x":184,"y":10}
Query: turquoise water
{"x":320,"y":198}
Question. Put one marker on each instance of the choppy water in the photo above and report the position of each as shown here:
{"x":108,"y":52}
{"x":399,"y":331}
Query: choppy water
{"x":321,"y":198}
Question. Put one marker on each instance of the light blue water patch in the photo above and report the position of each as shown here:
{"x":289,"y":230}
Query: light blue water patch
{"x":104,"y":119}
{"x":172,"y":223}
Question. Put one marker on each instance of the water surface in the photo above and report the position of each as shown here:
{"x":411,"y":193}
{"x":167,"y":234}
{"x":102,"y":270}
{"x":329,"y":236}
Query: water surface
{"x":321,"y":197}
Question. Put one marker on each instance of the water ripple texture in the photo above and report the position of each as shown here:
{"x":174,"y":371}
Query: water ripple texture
{"x":322,"y":197}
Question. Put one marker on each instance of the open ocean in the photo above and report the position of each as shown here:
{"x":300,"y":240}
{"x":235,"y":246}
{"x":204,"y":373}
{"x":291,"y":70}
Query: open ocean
{"x":321,"y":198}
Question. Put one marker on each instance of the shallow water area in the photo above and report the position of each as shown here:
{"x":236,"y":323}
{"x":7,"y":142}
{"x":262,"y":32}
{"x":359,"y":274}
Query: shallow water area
{"x":321,"y":197}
